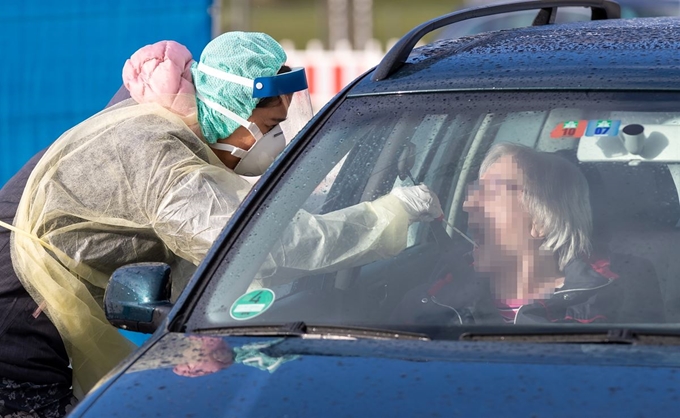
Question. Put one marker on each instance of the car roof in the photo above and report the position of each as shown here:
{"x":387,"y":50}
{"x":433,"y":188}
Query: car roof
{"x":618,"y":54}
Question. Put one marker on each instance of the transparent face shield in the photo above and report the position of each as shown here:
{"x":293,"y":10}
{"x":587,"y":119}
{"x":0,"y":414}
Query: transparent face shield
{"x":291,"y":88}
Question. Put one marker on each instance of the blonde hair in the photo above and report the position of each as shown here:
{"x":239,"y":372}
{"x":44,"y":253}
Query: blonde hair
{"x":555,"y":195}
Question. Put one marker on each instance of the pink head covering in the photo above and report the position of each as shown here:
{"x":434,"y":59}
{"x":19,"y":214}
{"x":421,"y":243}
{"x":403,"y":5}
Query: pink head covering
{"x":159,"y":73}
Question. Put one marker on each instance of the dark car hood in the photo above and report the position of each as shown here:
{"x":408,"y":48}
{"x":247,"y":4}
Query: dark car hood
{"x":304,"y":377}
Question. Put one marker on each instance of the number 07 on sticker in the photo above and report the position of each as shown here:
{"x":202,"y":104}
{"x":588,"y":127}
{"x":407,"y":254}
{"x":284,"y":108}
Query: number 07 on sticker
{"x":603,"y":128}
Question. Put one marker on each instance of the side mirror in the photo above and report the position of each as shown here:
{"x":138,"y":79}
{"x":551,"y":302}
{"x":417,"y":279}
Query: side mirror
{"x":138,"y":296}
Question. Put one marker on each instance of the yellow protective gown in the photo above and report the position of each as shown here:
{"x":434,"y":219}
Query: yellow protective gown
{"x":133,"y":183}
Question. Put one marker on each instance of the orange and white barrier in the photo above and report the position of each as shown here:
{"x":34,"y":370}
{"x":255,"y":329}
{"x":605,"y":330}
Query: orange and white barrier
{"x":328,"y":71}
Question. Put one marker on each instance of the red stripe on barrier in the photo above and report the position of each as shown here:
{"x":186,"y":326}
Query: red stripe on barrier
{"x":311,"y":79}
{"x":338,"y":79}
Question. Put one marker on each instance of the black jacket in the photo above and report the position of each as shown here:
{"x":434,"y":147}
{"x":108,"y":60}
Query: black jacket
{"x":31,"y":349}
{"x":459,"y":296}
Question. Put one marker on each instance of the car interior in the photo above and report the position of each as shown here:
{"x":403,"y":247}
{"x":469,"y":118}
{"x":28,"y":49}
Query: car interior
{"x":634,"y":198}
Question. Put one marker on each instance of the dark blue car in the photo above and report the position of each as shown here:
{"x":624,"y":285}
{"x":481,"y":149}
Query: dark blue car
{"x":454,"y":322}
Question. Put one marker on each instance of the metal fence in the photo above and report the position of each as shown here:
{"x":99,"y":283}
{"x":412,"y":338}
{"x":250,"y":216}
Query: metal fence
{"x":328,"y":71}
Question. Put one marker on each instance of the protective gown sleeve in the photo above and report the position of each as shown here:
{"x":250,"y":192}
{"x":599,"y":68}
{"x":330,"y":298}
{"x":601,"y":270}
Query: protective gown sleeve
{"x":189,"y":203}
{"x":192,"y":202}
{"x":355,"y":235}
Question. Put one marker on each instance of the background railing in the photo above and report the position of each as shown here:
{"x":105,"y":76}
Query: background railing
{"x":328,"y":71}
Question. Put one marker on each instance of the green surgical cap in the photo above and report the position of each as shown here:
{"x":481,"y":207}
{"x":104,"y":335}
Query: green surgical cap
{"x":246,"y":54}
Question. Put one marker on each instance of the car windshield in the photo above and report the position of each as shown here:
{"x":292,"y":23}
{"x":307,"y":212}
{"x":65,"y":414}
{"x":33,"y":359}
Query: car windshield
{"x":574,"y":220}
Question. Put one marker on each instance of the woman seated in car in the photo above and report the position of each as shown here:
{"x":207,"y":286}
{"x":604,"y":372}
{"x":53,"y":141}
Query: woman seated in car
{"x":530,"y":216}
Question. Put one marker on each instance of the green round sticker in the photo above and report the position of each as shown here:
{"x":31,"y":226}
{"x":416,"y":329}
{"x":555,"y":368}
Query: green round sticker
{"x":252,"y":304}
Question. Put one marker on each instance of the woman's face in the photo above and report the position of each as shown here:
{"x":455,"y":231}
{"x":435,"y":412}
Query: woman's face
{"x":500,"y":224}
{"x":266,"y":118}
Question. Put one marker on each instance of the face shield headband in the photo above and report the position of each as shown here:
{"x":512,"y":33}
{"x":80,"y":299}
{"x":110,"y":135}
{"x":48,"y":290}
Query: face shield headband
{"x":267,"y":146}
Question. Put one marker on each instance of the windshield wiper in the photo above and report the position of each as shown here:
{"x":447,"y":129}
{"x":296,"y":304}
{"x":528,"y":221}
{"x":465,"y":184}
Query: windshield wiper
{"x":515,"y":333}
{"x":610,"y":336}
{"x":303,"y":330}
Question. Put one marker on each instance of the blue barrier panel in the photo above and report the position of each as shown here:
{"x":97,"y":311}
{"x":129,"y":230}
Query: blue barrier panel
{"x":136,"y":337}
{"x":63,"y":61}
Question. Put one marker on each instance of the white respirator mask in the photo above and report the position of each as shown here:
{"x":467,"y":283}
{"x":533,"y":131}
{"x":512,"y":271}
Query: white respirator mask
{"x":292,"y":88}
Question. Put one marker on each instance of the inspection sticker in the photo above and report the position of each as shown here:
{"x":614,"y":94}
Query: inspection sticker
{"x":252,"y":304}
{"x":569,"y":129}
{"x":603,"y":128}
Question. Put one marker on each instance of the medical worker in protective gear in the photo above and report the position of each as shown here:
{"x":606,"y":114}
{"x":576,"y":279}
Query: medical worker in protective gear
{"x":156,"y":179}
